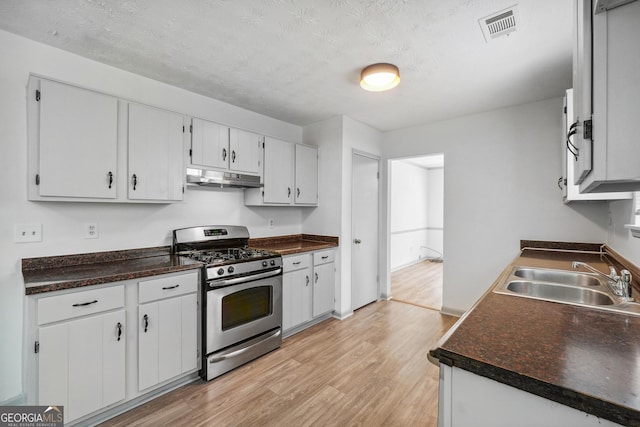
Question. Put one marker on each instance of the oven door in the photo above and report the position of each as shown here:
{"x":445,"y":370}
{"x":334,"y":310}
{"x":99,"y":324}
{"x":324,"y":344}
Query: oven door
{"x":241,"y":311}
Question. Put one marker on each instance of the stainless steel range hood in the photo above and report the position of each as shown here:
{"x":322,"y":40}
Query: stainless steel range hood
{"x":221,"y":179}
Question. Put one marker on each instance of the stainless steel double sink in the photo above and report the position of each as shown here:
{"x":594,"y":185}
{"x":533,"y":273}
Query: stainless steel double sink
{"x":564,"y":286}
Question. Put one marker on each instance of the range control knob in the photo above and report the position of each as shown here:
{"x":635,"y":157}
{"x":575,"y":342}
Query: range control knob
{"x":264,"y":263}
{"x":220,"y":271}
{"x":273,"y":262}
{"x":230,"y":269}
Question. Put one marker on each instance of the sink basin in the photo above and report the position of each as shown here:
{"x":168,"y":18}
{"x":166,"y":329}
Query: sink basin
{"x":557,"y":276}
{"x":560,"y":293}
{"x":565,"y":287}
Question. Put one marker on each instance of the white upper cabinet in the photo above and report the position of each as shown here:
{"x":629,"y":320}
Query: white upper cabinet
{"x":616,"y":90}
{"x":86,"y":146}
{"x":278,"y":171}
{"x":245,"y":149}
{"x":215,"y":146}
{"x":290,"y":176}
{"x":209,"y":144}
{"x":77,"y":144}
{"x":570,"y":191}
{"x":156,"y":169}
{"x":306,"y":176}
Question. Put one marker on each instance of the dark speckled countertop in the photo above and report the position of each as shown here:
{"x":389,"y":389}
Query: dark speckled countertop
{"x":48,"y":274}
{"x":581,"y":357}
{"x":294,"y":243}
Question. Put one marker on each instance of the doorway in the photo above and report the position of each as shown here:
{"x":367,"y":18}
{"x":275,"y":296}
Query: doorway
{"x":416,"y":237}
{"x":364,"y":229}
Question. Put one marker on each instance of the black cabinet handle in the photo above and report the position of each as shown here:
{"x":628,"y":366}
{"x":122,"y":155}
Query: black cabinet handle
{"x":307,"y":280}
{"x":233,"y":156}
{"x":297,"y":262}
{"x":170,"y":287}
{"x":325,"y":257}
{"x":119,"y":329}
{"x":145,"y":318}
{"x":288,"y":191}
{"x":224,"y":154}
{"x":135,"y":181}
{"x":110,"y":175}
{"x":85,"y":303}
{"x":298,"y":192}
{"x":316,"y":277}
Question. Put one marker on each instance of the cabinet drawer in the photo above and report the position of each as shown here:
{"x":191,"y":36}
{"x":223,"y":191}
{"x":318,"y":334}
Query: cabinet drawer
{"x":324,"y":257}
{"x":167,"y":286}
{"x":295,"y":262}
{"x":76,"y":304}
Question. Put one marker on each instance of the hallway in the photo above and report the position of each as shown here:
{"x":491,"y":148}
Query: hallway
{"x":419,"y":284}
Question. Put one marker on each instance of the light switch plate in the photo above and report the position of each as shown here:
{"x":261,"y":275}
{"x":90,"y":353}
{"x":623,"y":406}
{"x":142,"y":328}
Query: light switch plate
{"x":27,"y":233}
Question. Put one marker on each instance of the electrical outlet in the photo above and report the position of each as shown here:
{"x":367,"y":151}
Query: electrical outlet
{"x":25,"y":233}
{"x":91,"y":230}
{"x":272,"y":223}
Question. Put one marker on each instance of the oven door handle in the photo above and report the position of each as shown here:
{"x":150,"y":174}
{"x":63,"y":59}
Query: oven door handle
{"x":240,"y":351}
{"x":228,"y":282}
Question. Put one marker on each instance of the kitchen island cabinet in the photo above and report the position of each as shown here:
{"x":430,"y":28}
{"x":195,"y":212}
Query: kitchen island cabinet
{"x":573,"y":360}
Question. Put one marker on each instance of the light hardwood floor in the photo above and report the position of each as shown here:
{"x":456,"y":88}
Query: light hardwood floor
{"x":419,"y":284}
{"x":370,"y":369}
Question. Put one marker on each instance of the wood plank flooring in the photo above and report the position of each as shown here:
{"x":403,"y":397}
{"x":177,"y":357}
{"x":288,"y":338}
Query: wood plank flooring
{"x":370,"y":369}
{"x":419,"y":284}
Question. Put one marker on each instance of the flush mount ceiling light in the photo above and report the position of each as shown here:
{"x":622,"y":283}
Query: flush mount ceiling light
{"x":379,"y":77}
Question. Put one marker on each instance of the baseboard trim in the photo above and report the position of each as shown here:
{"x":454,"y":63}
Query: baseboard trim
{"x":452,"y":311}
{"x":342,"y":316}
{"x":18,"y":400}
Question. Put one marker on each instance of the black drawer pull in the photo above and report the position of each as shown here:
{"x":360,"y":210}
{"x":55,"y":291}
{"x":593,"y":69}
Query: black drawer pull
{"x":145,"y":320}
{"x":170,"y":287}
{"x":297,"y":262}
{"x":325,"y":257}
{"x":119,"y":329}
{"x":85,"y":303}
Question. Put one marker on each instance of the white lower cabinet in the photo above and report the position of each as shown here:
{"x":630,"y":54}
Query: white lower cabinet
{"x":324,"y":278}
{"x":81,"y":362}
{"x":167,"y":328}
{"x":296,"y":291}
{"x":307,"y":288}
{"x":467,"y":399}
{"x":89,"y":359}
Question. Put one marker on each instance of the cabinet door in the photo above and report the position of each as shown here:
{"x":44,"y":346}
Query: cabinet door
{"x":245,"y":151}
{"x":278,"y":171}
{"x":296,"y":298}
{"x":82,"y":364}
{"x":582,"y":83}
{"x":324,"y":278}
{"x":167,"y":339}
{"x":306,"y":175}
{"x":209,"y":144}
{"x":78,"y":141}
{"x":156,"y":169}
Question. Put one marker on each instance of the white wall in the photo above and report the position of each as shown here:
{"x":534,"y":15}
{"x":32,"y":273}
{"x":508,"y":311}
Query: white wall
{"x":620,"y":239}
{"x":409,"y":212}
{"x":121,"y":226}
{"x":499,"y":187}
{"x":435,"y":232}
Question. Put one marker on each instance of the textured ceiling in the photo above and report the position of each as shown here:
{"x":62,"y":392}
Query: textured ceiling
{"x":299,"y":60}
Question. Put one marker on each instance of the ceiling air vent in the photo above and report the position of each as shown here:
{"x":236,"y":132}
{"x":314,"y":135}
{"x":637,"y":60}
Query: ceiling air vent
{"x":500,"y":23}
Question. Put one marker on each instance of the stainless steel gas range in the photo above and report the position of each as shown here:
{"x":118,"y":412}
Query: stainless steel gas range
{"x":241,"y":296}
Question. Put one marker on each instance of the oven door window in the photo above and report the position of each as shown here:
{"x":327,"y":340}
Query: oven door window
{"x":246,"y":306}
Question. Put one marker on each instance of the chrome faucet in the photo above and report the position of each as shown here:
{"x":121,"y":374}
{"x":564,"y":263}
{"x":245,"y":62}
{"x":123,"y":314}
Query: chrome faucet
{"x":620,"y":285}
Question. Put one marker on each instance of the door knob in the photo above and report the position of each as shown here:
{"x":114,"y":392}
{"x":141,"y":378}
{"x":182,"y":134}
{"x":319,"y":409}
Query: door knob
{"x":357,"y":241}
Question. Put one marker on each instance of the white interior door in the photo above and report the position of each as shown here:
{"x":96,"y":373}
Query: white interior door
{"x":364,"y":227}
